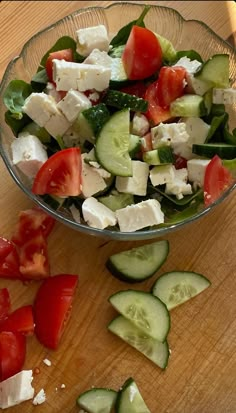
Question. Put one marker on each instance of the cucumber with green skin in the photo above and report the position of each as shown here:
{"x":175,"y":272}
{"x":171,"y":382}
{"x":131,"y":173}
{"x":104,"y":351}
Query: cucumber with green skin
{"x":129,"y":399}
{"x":215,"y":70}
{"x":117,"y":201}
{"x":162,"y":155}
{"x":223,"y":150}
{"x":122,"y":100}
{"x":97,"y":400}
{"x":188,"y":106}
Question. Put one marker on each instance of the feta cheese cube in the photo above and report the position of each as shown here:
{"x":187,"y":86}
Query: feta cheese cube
{"x":80,"y":76}
{"x":224,"y":96}
{"x":137,"y":183}
{"x":90,"y":38}
{"x":140,"y":124}
{"x":16,"y":389}
{"x":191,"y":66}
{"x":40,"y":107}
{"x":57,"y":125}
{"x":40,"y":397}
{"x":91,"y":180}
{"x":169,"y":134}
{"x":197,"y":86}
{"x":51,"y":91}
{"x":197,"y":130}
{"x":162,"y":174}
{"x":72,"y":104}
{"x":98,"y":57}
{"x":141,"y":215}
{"x":179,"y":186}
{"x":196,"y":171}
{"x":72,"y":138}
{"x":28,"y":154}
{"x":97,"y":215}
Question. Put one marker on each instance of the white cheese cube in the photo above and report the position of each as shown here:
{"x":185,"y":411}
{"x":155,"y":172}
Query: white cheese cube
{"x":16,"y":389}
{"x":196,"y":171}
{"x":28,"y":154}
{"x":179,"y":186}
{"x":51,"y":91}
{"x":137,"y":183}
{"x":224,"y":96}
{"x":97,"y":57}
{"x":141,"y":215}
{"x":40,"y":397}
{"x":97,"y":215}
{"x":197,"y":130}
{"x":162,"y":174}
{"x":197,"y":86}
{"x":80,"y":76}
{"x":140,"y":124}
{"x":73,"y":103}
{"x":91,"y":180}
{"x":40,"y":107}
{"x":191,"y":66}
{"x":72,"y":138}
{"x":90,"y":38}
{"x":57,"y":125}
{"x":169,"y":134}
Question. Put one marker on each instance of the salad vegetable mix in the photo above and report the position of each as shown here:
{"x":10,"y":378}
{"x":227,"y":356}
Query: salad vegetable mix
{"x":127,"y":133}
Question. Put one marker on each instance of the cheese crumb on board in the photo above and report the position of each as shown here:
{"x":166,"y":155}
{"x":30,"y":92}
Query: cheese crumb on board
{"x":40,"y":397}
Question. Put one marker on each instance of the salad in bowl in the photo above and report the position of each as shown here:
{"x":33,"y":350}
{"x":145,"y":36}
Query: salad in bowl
{"x":127,"y":135}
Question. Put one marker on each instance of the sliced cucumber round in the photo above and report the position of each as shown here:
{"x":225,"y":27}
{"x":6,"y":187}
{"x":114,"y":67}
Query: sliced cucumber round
{"x":176,"y":287}
{"x":223,"y":150}
{"x":129,"y":399}
{"x":134,"y":144}
{"x":145,"y":310}
{"x":97,"y":400}
{"x":188,"y":106}
{"x":162,"y":155}
{"x":112,"y":144}
{"x":153,"y":349}
{"x":140,"y":263}
{"x":215,"y":70}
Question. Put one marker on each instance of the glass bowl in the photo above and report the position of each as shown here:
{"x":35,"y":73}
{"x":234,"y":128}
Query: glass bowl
{"x":184,"y":34}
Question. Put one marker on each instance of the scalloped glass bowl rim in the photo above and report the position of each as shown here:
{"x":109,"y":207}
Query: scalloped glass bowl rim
{"x":105,"y":233}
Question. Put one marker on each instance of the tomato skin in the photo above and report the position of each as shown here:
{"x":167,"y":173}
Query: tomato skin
{"x":60,"y":175}
{"x":170,"y":84}
{"x":5,"y":304}
{"x":155,"y":113}
{"x":217,"y":179}
{"x":33,"y":256}
{"x":142,"y":55}
{"x":5,"y":248}
{"x":52,"y":308}
{"x":12,"y":353}
{"x":66,"y":54}
{"x":136,"y":89}
{"x":10,"y":266}
{"x":180,"y":162}
{"x":21,"y":321}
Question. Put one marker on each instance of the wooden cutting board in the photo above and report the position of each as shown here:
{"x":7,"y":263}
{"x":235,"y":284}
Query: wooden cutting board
{"x":201,"y":376}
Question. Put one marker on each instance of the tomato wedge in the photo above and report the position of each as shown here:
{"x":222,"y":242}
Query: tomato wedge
{"x":33,"y":256}
{"x":60,"y":175}
{"x":142,"y":55}
{"x":170,"y":84}
{"x":10,"y":266}
{"x":66,"y":54}
{"x":52,"y":308}
{"x":217,"y":180}
{"x":21,"y":320}
{"x":12,"y":353}
{"x":5,"y":303}
{"x":155,"y":113}
{"x":5,"y":248}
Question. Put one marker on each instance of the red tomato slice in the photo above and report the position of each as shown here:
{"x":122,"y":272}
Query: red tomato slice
{"x":142,"y":55}
{"x":52,"y":308}
{"x":5,"y":248}
{"x":33,"y":256}
{"x":12,"y":353}
{"x":9,"y":267}
{"x":217,"y":179}
{"x":155,"y":113}
{"x":5,"y":303}
{"x":170,"y":84}
{"x":180,"y":162}
{"x":66,"y":54}
{"x":136,"y":89}
{"x":20,"y":320}
{"x":60,"y":175}
{"x":30,"y":223}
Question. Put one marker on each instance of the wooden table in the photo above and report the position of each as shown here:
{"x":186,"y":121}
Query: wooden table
{"x":201,"y":376}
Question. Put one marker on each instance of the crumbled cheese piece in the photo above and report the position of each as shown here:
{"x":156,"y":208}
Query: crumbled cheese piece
{"x":40,"y":397}
{"x":47,"y":362}
{"x":63,"y":386}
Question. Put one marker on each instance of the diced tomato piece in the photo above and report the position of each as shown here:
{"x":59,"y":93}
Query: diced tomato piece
{"x":217,"y":180}
{"x":142,"y":55}
{"x":10,"y":266}
{"x":33,"y":256}
{"x":155,"y":113}
{"x":5,"y":303}
{"x":180,"y":162}
{"x":21,"y":320}
{"x":52,"y":308}
{"x":66,"y":54}
{"x":5,"y":248}
{"x":170,"y":84}
{"x":136,"y":89}
{"x":12,"y":353}
{"x":30,"y":223}
{"x":60,"y":175}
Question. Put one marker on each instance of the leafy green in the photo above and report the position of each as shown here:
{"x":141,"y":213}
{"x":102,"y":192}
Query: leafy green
{"x":216,"y":123}
{"x":16,"y":125}
{"x":191,"y":54}
{"x":65,"y":42}
{"x":39,"y":81}
{"x":14,"y":97}
{"x":186,"y":200}
{"x":123,"y":34}
{"x":36,"y":130}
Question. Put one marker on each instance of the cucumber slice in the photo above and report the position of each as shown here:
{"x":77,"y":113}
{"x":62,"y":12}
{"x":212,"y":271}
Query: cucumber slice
{"x":129,"y":399}
{"x":125,"y":100}
{"x":96,"y":117}
{"x":223,"y":150}
{"x":169,"y":53}
{"x":118,"y":74}
{"x":145,"y":310}
{"x":112,"y":145}
{"x":134,"y":144}
{"x":215,"y":70}
{"x":162,"y":155}
{"x":153,"y":349}
{"x":83,"y":128}
{"x":176,"y":287}
{"x":140,"y":263}
{"x":117,"y":201}
{"x":188,"y":106}
{"x":97,"y":400}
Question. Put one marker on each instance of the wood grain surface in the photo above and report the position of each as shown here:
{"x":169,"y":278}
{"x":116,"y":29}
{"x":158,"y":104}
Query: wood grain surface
{"x":201,"y":376}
